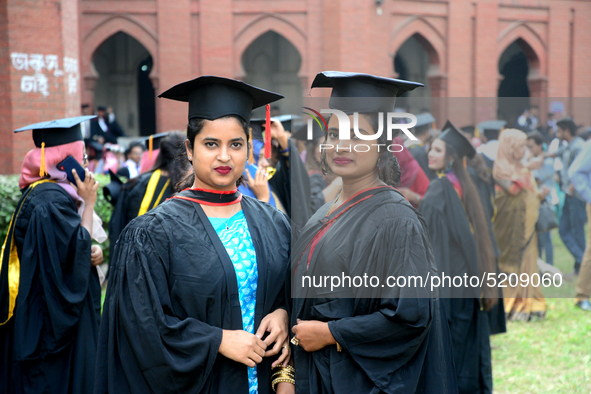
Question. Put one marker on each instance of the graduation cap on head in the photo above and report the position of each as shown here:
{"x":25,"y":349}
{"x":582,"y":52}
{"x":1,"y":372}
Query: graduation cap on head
{"x":111,"y":191}
{"x":491,"y":128}
{"x":363,"y":93}
{"x":54,"y":133}
{"x":455,"y":138}
{"x":286,"y":120}
{"x":212,"y":97}
{"x":153,"y":148}
{"x":424,"y":121}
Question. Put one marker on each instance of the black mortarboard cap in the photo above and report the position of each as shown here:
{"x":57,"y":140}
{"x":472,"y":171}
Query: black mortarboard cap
{"x":425,"y":119}
{"x":370,"y":93}
{"x":212,"y":97}
{"x":57,"y":132}
{"x":491,"y":128}
{"x":111,"y":191}
{"x":302,"y":133}
{"x":455,"y":138}
{"x":155,"y":140}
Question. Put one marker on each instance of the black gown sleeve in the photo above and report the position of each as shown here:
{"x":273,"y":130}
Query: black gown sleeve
{"x":394,"y":333}
{"x":154,"y":351}
{"x":51,"y":295}
{"x":317,"y":186}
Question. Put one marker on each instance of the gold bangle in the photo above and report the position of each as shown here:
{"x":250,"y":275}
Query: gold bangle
{"x":281,"y":380}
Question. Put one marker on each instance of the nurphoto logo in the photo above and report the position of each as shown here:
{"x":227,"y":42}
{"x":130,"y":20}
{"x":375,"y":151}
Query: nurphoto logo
{"x":345,"y":129}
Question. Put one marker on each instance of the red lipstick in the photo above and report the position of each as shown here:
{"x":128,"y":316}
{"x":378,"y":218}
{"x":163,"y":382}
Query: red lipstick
{"x":223,"y":170}
{"x":341,"y":161}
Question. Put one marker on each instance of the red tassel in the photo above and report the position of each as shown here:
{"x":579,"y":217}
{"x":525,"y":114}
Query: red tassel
{"x":268,"y":133}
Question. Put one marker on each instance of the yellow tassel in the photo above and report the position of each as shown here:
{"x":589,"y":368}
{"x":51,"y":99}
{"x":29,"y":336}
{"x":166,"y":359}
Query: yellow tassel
{"x":476,"y":132}
{"x":251,"y":154}
{"x":150,"y":146}
{"x":42,"y":167}
{"x":433,"y":127}
{"x":465,"y":163}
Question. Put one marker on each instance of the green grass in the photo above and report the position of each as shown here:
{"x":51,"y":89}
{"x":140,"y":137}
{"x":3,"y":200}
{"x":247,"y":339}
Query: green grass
{"x":551,"y":355}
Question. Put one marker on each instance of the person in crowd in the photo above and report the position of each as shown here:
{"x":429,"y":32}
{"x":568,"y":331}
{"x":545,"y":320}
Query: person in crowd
{"x":549,"y":132}
{"x":105,"y":128}
{"x":288,"y":176}
{"x":517,"y":202}
{"x":544,"y":174}
{"x":462,"y":245}
{"x":133,"y":155}
{"x":489,"y":132}
{"x":49,"y":288}
{"x":413,"y":181}
{"x":423,"y":131}
{"x":364,"y":340}
{"x":579,"y":173}
{"x":196,"y":302}
{"x":148,"y":190}
{"x":572,"y":222}
{"x":323,"y":188}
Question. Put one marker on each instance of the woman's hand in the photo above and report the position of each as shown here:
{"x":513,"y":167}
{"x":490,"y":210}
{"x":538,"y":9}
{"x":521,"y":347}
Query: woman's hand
{"x":285,"y":388}
{"x":313,"y":335}
{"x":278,"y":133}
{"x":544,"y":193}
{"x":87,"y":189}
{"x":243,"y":347}
{"x":259,"y":185}
{"x":96,"y":255}
{"x":277,"y":325}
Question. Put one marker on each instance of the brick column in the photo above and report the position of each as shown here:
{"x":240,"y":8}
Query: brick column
{"x":174,"y":61}
{"x":39,"y":70}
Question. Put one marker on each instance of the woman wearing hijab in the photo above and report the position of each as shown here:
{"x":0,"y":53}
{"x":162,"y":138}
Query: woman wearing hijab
{"x":49,"y":289}
{"x":196,"y":301}
{"x":462,"y":246}
{"x":366,"y":339}
{"x":517,"y":202}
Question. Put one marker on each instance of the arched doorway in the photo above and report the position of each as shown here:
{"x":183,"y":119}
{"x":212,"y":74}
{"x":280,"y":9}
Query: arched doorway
{"x":414,"y":62}
{"x":515,"y":66}
{"x":272,"y":62}
{"x":123,"y":66}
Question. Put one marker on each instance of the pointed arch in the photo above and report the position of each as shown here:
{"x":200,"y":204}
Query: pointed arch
{"x":427,"y":35}
{"x":529,"y":41}
{"x":248,"y":33}
{"x":108,"y":27}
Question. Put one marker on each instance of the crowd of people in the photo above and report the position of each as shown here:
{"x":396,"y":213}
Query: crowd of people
{"x":215,"y":229}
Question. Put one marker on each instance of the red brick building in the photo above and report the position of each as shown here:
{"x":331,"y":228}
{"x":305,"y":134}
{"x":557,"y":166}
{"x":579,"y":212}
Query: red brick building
{"x":131,"y":50}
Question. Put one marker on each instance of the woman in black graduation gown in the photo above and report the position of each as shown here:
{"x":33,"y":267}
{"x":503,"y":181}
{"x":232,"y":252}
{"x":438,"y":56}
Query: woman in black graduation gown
{"x":49,"y":289}
{"x":366,"y":339}
{"x":199,"y":280}
{"x":151,"y":188}
{"x":462,"y":245}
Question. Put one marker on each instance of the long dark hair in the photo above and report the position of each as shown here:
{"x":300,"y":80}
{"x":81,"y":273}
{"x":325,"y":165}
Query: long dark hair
{"x":387,"y":165}
{"x":193,"y":129}
{"x":475,"y":213}
{"x":482,"y":171}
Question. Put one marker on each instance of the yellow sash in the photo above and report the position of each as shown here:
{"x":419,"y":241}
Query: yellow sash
{"x":13,"y":262}
{"x":150,"y":193}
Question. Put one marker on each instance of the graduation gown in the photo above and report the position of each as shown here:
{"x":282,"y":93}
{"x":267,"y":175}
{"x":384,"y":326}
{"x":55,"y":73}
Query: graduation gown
{"x":291,"y":171}
{"x":132,"y":196}
{"x":173,"y":290}
{"x":49,"y":344}
{"x":455,"y":251}
{"x":390,"y":345}
{"x":422,"y":158}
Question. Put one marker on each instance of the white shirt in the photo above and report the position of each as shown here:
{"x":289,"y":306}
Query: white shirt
{"x":490,"y":149}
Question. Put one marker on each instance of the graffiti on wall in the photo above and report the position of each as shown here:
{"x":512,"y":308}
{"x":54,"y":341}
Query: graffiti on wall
{"x":39,"y":65}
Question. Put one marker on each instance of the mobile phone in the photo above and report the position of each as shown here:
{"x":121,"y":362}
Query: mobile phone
{"x":69,"y":164}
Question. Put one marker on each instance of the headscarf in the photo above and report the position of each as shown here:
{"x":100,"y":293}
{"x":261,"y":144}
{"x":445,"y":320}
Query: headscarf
{"x":53,"y":156}
{"x":508,"y":166}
